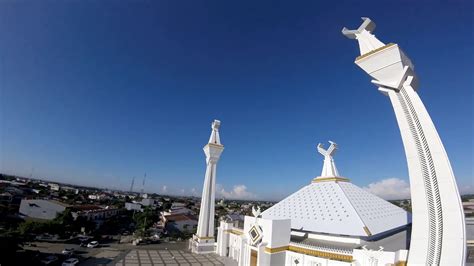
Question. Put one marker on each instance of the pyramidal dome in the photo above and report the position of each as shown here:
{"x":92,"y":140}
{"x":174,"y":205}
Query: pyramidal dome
{"x":333,"y":205}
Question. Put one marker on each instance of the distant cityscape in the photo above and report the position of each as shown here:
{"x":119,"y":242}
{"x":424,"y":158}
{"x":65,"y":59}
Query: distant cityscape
{"x":40,"y":211}
{"x":37,"y":211}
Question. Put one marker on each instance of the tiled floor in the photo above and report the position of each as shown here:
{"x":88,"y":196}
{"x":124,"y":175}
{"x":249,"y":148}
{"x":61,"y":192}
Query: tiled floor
{"x":171,"y":257}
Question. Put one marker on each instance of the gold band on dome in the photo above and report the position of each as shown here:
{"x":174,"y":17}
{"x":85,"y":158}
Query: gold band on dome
{"x":374,"y":51}
{"x":327,"y":179}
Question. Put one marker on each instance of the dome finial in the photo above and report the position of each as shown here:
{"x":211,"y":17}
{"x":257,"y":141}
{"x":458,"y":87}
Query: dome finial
{"x":329,"y":167}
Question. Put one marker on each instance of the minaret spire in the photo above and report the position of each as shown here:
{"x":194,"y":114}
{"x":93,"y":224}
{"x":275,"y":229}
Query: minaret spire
{"x":367,"y":41}
{"x":215,"y":139}
{"x":203,"y":240}
{"x":329,"y":172}
{"x":329,"y":167}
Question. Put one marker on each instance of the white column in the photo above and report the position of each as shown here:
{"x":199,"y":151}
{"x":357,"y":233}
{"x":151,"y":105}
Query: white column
{"x":204,"y":237}
{"x":223,"y":239}
{"x":438,"y":229}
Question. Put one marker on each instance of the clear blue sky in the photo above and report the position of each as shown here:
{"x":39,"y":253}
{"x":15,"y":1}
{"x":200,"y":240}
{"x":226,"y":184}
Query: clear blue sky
{"x":95,"y":92}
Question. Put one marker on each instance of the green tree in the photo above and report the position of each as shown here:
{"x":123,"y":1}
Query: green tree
{"x":145,"y":219}
{"x":64,"y":218}
{"x":31,"y":227}
{"x":63,"y":224}
{"x":167,"y":205}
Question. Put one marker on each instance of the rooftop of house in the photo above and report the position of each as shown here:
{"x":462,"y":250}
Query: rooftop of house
{"x":180,"y":217}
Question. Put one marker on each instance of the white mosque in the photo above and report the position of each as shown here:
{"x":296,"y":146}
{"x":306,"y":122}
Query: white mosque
{"x":334,"y":222}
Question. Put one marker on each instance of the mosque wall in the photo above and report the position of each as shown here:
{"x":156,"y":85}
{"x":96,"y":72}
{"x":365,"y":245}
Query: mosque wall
{"x":298,"y":259}
{"x":340,"y":239}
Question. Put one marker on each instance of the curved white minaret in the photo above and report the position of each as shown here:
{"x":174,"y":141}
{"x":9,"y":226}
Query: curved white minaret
{"x":438,"y":230}
{"x":203,"y":240}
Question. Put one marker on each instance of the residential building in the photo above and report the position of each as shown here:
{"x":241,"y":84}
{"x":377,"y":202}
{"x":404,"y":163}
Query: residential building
{"x":53,"y":186}
{"x":182,"y":222}
{"x":133,"y":206}
{"x":94,"y":212}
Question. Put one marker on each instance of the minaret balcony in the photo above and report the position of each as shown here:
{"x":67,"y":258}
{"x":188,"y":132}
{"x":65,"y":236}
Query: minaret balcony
{"x":385,"y":64}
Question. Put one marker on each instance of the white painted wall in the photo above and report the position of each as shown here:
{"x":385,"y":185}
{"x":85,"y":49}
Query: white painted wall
{"x":351,"y":240}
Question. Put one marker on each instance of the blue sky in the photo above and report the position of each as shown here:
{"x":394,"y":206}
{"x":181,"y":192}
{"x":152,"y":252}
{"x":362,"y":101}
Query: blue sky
{"x":96,"y":92}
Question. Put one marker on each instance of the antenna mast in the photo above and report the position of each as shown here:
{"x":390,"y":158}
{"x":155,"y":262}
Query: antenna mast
{"x":133,"y":181}
{"x":143,"y":183}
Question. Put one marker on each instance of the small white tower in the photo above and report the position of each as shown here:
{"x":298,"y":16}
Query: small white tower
{"x":203,"y":240}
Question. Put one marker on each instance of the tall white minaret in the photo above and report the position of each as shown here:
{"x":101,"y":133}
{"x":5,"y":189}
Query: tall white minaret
{"x":438,"y":231}
{"x":203,"y":240}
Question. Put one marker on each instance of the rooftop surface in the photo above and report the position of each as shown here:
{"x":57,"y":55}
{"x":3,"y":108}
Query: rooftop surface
{"x":338,"y":207}
{"x":180,"y":217}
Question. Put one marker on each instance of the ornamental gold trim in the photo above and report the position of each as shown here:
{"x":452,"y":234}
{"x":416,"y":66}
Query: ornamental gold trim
{"x":235,"y":232}
{"x":367,"y":231}
{"x":321,"y":254}
{"x":275,"y":250}
{"x":401,"y":263}
{"x":327,"y":179}
{"x":205,"y":237}
{"x":215,"y":144}
{"x":374,"y":51}
{"x":316,"y":253}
